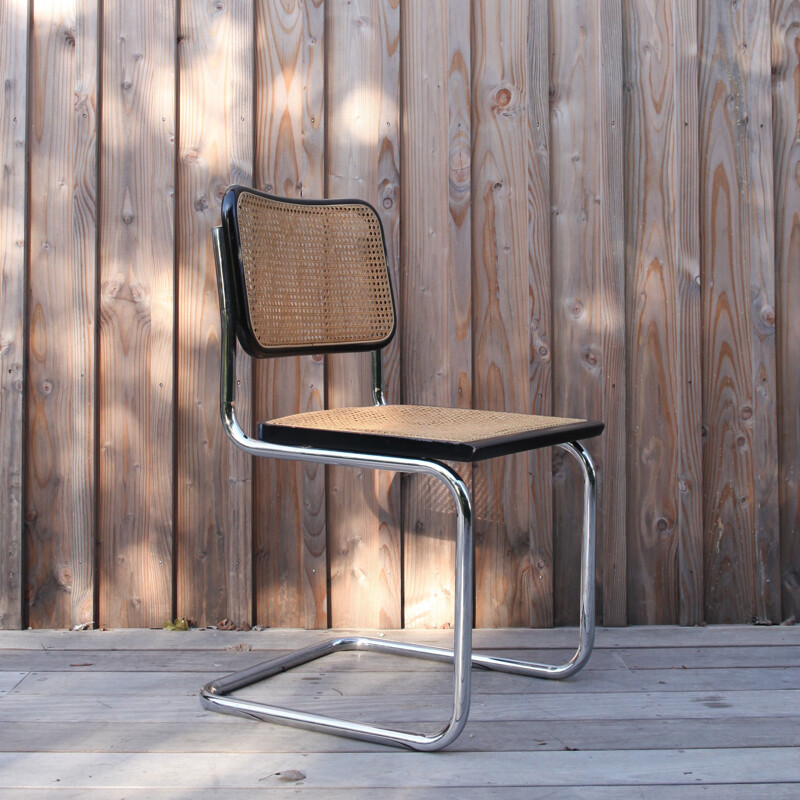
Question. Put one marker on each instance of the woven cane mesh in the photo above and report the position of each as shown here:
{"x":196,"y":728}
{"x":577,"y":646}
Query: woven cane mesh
{"x":315,"y":275}
{"x":424,"y":422}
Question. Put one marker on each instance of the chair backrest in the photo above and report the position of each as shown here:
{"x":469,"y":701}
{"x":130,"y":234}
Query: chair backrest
{"x":308,"y":276}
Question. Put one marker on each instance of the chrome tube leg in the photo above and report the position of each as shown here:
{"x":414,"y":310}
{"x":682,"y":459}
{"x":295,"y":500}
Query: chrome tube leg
{"x":587,"y":625}
{"x":214,"y":695}
{"x":462,"y":623}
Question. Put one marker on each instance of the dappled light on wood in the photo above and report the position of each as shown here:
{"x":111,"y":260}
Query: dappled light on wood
{"x":591,"y":210}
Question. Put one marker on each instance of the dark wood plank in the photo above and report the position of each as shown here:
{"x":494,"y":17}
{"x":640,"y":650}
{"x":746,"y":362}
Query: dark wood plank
{"x":785,"y":113}
{"x":435,"y":325}
{"x":664,"y":555}
{"x":588,"y":288}
{"x":362,"y":98}
{"x":740,"y":456}
{"x":59,"y":532}
{"x":14,"y":44}
{"x":137,"y":314}
{"x":213,"y":505}
{"x":289,"y":516}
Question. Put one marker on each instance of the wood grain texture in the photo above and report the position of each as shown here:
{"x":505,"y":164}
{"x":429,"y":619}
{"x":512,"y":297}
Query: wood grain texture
{"x":213,"y":482}
{"x":741,"y":551}
{"x":505,"y":557}
{"x":588,"y":288}
{"x":540,"y":466}
{"x":786,"y":149}
{"x":735,"y":688}
{"x":510,"y":279}
{"x":362,"y":138}
{"x":664,"y":518}
{"x":289,"y":534}
{"x":435,"y":285}
{"x":137,"y":315}
{"x":59,"y":531}
{"x":14,"y":46}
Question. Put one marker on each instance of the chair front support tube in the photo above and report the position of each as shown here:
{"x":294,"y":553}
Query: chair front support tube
{"x":586,"y":616}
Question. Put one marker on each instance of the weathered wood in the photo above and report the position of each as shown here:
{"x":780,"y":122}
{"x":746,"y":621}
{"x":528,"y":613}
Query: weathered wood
{"x":588,"y":288}
{"x":786,"y":149}
{"x":755,"y":791}
{"x":213,"y":505}
{"x":427,"y":708}
{"x":289,"y":535}
{"x":137,"y":314}
{"x":59,"y":531}
{"x":232,"y":659}
{"x":620,"y":725}
{"x":204,"y":736}
{"x":612,"y":639}
{"x":506,"y":571}
{"x":664,"y":518}
{"x":435,"y":287}
{"x":10,"y":680}
{"x":366,"y":680}
{"x":187,"y":771}
{"x":14,"y":44}
{"x":740,"y":488}
{"x":362,"y":72}
{"x":103,"y":324}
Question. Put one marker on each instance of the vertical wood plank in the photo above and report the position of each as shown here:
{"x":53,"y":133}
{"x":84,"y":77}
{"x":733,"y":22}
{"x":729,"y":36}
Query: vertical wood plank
{"x":436,"y":276}
{"x":588,"y":287}
{"x":501,"y":305}
{"x":213,"y":482}
{"x":540,"y":577}
{"x":663,"y":310}
{"x":737,"y":251}
{"x":786,"y":141}
{"x":14,"y":40}
{"x":137,"y":313}
{"x":62,"y":279}
{"x":290,"y":547}
{"x":362,"y":138}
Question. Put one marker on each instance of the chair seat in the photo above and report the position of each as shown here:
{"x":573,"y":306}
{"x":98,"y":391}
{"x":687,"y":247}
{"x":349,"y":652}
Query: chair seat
{"x":448,"y":434}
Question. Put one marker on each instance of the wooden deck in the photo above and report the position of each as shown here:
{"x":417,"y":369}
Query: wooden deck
{"x":658,"y":713}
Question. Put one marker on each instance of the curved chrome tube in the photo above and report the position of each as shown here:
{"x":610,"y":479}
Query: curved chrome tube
{"x":214,"y":694}
{"x":587,"y":624}
{"x":378,"y":397}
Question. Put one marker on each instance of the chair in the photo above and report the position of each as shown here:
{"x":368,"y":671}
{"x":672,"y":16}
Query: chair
{"x":301,"y":276}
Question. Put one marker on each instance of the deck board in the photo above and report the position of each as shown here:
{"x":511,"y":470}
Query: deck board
{"x":711,"y":712}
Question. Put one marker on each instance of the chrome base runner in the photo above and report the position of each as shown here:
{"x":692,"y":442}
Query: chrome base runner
{"x":215,"y":695}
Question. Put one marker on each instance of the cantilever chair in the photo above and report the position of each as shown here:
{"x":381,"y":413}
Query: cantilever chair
{"x":311,"y":277}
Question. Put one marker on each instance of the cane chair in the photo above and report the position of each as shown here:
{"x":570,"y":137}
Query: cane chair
{"x":311,"y":277}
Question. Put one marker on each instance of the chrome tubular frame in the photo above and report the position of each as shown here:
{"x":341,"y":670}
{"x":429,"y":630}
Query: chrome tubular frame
{"x":214,"y":695}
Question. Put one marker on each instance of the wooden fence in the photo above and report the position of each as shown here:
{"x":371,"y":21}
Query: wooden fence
{"x":592,"y":209}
